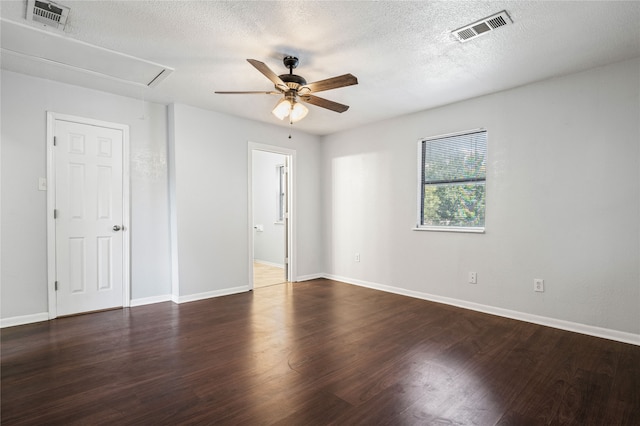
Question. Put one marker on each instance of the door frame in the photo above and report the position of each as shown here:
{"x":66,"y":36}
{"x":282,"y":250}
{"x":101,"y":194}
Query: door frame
{"x":52,"y":117}
{"x":291,"y":198}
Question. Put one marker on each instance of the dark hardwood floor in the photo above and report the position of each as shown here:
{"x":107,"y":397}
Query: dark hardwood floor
{"x":318,"y":352}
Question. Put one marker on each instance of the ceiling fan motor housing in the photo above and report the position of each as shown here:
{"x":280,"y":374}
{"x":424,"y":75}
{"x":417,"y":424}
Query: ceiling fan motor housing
{"x":293,"y":81}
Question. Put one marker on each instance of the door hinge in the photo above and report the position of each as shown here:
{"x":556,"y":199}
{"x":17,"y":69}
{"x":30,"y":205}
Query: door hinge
{"x":55,"y":141}
{"x":55,"y":286}
{"x":55,"y":213}
{"x":286,"y":260}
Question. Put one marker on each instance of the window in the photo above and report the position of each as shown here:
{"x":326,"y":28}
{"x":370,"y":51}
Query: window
{"x":281,"y":188}
{"x":452,"y":182}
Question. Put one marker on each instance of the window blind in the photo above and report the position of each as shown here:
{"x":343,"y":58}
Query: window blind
{"x":455,"y":159}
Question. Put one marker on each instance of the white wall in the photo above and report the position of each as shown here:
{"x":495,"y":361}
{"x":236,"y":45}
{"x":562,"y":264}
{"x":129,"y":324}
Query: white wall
{"x":209,"y":177}
{"x":269,"y":243}
{"x":563,"y":202}
{"x":25,"y":101}
{"x":563,"y":198}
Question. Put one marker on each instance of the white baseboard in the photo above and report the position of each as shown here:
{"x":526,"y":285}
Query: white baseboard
{"x":309,"y":277}
{"x":44,"y":316}
{"x":210,"y":294}
{"x":605,"y":333}
{"x":150,"y":300}
{"x":264,"y":262}
{"x":24,"y":319}
{"x":590,"y":330}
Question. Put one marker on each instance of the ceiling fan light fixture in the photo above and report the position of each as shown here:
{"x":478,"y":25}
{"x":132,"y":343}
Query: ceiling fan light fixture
{"x":298,"y":112}
{"x":282,"y":109}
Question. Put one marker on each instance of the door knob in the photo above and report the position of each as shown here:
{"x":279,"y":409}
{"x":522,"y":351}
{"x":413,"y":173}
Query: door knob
{"x":116,"y":227}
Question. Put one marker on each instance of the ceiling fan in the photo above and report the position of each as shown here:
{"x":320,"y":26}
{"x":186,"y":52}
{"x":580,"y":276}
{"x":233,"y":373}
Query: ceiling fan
{"x":294,"y":88}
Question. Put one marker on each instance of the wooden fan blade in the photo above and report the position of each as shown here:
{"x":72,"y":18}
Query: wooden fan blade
{"x":264,"y":69}
{"x":249,"y":93}
{"x":328,"y":84}
{"x":324,"y":103}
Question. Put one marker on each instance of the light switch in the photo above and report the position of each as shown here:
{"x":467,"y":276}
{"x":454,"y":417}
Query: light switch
{"x":42,"y":184}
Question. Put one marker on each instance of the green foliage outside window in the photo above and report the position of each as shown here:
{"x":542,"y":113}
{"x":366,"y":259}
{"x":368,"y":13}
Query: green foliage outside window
{"x":454,"y":205}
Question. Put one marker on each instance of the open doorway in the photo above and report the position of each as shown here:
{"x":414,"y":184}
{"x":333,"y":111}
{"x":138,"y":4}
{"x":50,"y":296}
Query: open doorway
{"x":270,"y":214}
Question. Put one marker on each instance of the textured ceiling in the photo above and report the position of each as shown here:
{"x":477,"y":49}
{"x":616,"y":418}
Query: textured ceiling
{"x":403,"y":54}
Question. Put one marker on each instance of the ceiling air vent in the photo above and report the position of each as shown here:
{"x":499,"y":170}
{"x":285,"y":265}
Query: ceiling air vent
{"x":490,"y":23}
{"x":47,"y":13}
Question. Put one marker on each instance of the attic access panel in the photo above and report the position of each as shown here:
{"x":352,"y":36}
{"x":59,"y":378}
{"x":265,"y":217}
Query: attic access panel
{"x":42,"y":48}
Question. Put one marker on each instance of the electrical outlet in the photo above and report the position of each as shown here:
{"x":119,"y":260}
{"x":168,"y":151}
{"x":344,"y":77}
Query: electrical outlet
{"x":473,"y":278}
{"x":357,"y":257}
{"x":538,"y":284}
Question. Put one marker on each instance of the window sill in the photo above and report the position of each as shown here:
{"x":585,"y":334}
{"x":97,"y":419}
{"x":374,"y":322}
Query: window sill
{"x":449,"y":229}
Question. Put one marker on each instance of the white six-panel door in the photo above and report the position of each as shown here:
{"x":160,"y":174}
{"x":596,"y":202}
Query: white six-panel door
{"x":89,"y":217}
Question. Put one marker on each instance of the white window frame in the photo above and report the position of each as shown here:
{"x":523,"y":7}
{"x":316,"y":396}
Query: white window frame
{"x":419,"y":226}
